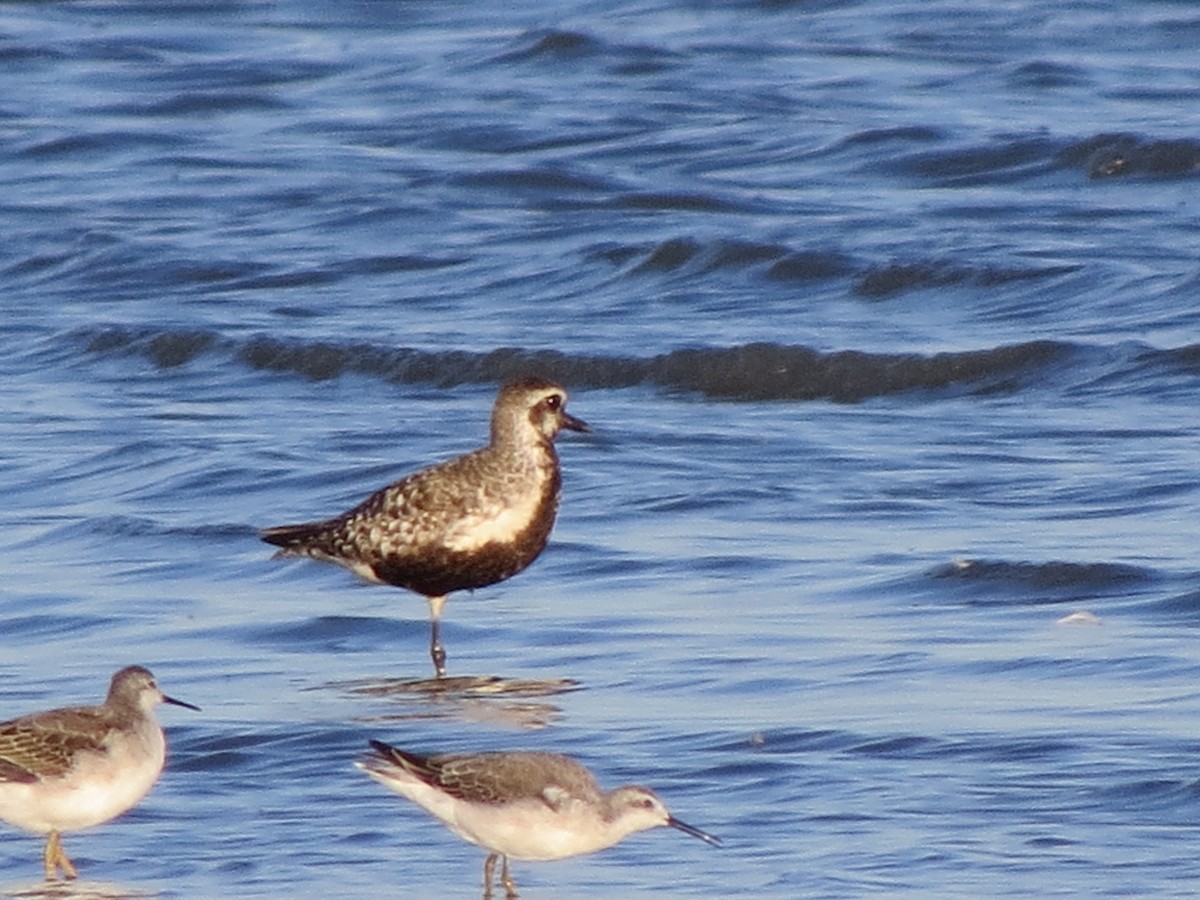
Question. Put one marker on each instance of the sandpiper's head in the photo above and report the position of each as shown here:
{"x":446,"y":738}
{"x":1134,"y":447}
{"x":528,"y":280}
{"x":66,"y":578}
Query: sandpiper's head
{"x":532,"y":403}
{"x":134,"y":688}
{"x":637,"y":808}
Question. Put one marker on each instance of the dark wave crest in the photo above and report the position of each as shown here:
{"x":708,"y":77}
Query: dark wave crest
{"x":747,"y":372}
{"x":759,"y":371}
{"x":872,"y":280}
{"x":783,"y":372}
{"x":1115,"y":155}
{"x":1052,"y":581}
{"x":1004,"y":160}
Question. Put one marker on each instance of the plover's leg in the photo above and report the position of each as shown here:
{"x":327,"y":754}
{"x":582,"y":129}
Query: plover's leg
{"x":489,"y":870}
{"x":510,"y":886}
{"x":436,"y":651}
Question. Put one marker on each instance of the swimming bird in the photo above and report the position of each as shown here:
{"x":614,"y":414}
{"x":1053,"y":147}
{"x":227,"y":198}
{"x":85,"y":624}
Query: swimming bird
{"x":525,"y":805}
{"x":71,"y":768}
{"x":463,"y":524}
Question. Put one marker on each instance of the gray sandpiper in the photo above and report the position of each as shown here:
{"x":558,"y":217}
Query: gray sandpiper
{"x":527,"y":805}
{"x":75,"y":767}
{"x":463,"y":524}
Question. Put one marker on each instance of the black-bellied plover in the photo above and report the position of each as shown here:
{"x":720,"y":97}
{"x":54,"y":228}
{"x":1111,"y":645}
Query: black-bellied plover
{"x":524,"y":805}
{"x":71,"y":768}
{"x":460,"y":525}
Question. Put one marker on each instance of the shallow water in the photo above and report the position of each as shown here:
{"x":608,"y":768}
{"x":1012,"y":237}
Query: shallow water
{"x":884,"y":315}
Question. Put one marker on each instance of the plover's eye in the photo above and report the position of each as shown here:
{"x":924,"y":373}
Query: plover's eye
{"x":554,"y":401}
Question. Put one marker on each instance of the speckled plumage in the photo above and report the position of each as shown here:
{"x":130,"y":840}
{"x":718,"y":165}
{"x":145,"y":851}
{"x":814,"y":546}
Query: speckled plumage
{"x":523,"y":804}
{"x":466,"y":523}
{"x":70,"y":768}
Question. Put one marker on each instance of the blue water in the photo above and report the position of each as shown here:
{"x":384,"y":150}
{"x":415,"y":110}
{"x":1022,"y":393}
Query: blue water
{"x":885,"y":316}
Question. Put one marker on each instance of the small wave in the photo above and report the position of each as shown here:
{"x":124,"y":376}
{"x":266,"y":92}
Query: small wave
{"x":786,"y":741}
{"x":165,"y":349}
{"x":202,"y":103}
{"x":97,"y":144}
{"x":1047,"y":75}
{"x":1024,"y":156}
{"x":810,"y":266}
{"x":1053,"y":574}
{"x":904,"y":134}
{"x":986,"y":747}
{"x":1117,"y":155}
{"x":896,"y":278}
{"x":1151,"y":795}
{"x":782,"y":372}
{"x":1002,"y":161}
{"x":690,"y":254}
{"x":779,"y":262}
{"x":1055,"y":581}
{"x":679,"y":201}
{"x":556,"y":46}
{"x":758,"y":371}
{"x":677,"y":253}
{"x":48,"y":626}
{"x":337,"y":633}
{"x":1187,"y":357}
{"x":668,"y":255}
{"x":540,"y":179}
{"x":1184,"y":607}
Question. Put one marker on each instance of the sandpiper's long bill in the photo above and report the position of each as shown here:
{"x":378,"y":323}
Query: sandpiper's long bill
{"x":71,"y":768}
{"x":466,"y":523}
{"x":525,"y":805}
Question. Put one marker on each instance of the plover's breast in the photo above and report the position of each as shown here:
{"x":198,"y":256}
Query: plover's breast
{"x":506,"y":520}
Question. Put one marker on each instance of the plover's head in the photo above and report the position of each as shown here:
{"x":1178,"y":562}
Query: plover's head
{"x":532,"y":405}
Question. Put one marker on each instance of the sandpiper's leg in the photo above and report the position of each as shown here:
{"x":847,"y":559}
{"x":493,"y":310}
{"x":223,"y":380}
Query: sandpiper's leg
{"x":510,"y":886}
{"x":436,"y":651}
{"x":54,"y":858}
{"x":49,"y":862}
{"x":489,"y":870}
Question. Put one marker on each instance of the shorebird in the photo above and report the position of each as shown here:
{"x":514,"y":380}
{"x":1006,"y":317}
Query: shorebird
{"x":71,"y":768}
{"x":462,"y":524}
{"x":523,"y":805}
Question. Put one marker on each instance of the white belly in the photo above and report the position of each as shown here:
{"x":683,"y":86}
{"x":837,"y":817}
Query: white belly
{"x":99,"y":787}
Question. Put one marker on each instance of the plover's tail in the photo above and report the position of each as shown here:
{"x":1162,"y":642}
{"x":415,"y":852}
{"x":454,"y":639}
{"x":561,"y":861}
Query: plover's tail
{"x":294,"y":540}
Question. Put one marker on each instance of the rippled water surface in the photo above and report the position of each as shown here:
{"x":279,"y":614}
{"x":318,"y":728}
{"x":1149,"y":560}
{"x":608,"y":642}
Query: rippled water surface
{"x":880,"y":560}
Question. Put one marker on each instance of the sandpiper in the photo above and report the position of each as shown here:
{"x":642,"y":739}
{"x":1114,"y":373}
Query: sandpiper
{"x":525,"y":805}
{"x":71,"y":768}
{"x":460,"y":525}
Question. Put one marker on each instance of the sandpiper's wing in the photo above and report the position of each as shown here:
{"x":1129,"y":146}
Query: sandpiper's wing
{"x":498,"y":778}
{"x":41,"y":746}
